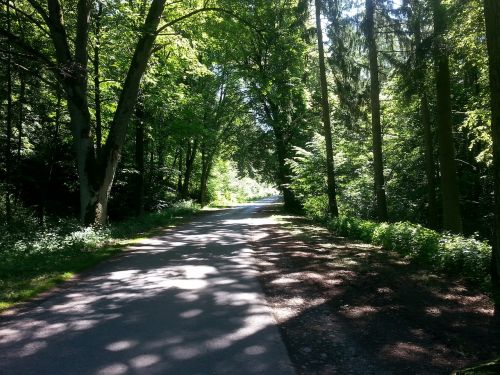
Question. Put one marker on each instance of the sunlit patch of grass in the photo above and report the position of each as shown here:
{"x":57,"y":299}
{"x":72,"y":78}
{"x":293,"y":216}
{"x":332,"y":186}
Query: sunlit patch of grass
{"x":37,"y":262}
{"x":283,"y":219}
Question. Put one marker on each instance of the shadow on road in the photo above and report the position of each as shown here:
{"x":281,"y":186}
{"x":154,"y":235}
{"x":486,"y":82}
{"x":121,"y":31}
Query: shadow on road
{"x":189,"y":302}
{"x":186,"y":302}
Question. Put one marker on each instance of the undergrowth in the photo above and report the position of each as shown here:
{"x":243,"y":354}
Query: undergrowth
{"x":466,"y":257}
{"x":34,"y":259}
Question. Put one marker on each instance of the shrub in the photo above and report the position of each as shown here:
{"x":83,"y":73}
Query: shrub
{"x":317,"y":207}
{"x":34,"y":259}
{"x":453,"y":254}
{"x":408,"y":239}
{"x":469,"y":257}
{"x":353,"y":227}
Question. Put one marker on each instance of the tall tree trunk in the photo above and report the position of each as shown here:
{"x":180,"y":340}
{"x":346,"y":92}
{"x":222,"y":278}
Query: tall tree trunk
{"x":421,"y":75}
{"x":75,"y":86}
{"x":8,"y":133}
{"x":430,"y":170}
{"x":110,"y":156}
{"x":160,"y":153}
{"x":52,"y":154}
{"x":150,"y":164}
{"x":139,"y":156}
{"x":206,"y":168}
{"x":172,"y":169}
{"x":452,"y":219}
{"x":327,"y":127}
{"x":180,"y":172}
{"x":20,"y":121}
{"x":284,"y":172}
{"x":378,"y":161}
{"x":192,"y":149}
{"x":492,"y":17}
{"x":97,"y":80}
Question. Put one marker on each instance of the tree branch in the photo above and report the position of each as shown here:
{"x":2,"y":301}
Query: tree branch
{"x":27,"y":16}
{"x":58,"y":33}
{"x":202,"y":10}
{"x":40,"y":11}
{"x":31,"y":51}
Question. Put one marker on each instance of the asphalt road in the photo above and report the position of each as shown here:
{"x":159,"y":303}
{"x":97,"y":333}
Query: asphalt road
{"x":186,"y":302}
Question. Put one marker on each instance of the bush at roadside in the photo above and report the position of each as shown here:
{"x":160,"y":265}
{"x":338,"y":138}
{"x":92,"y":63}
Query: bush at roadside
{"x":457,"y":255}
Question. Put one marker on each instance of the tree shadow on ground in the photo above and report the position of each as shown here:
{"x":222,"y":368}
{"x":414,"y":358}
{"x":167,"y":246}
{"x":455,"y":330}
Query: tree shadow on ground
{"x":186,"y":303}
{"x":350,"y":308}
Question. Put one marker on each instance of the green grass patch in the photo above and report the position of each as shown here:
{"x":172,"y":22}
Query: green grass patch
{"x":34,"y":261}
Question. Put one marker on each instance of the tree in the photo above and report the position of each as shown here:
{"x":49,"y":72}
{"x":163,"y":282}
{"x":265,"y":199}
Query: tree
{"x":8,"y":131}
{"x":96,"y":171}
{"x":332,"y":195}
{"x":450,"y":194}
{"x":139,"y":155}
{"x":270,"y":59}
{"x":492,"y":15}
{"x":378,"y":161}
{"x":416,"y":11}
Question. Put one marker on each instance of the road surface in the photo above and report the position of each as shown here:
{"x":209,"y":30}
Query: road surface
{"x":185,"y":302}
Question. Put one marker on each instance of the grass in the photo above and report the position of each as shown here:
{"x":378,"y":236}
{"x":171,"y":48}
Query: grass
{"x":35,"y":261}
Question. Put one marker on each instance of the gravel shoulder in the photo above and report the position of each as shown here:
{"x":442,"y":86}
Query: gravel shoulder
{"x":345,"y":307}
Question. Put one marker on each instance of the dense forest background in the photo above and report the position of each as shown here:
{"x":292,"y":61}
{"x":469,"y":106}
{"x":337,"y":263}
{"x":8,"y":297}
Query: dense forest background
{"x":374,"y":109}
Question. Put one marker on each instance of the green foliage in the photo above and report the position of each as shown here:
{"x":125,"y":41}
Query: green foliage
{"x":316,"y":206}
{"x":35,"y":260}
{"x":409,"y":239}
{"x":238,"y":97}
{"x":465,"y":257}
{"x":309,"y":169}
{"x":227,"y":187}
{"x":352,"y":227}
{"x":353,"y":179}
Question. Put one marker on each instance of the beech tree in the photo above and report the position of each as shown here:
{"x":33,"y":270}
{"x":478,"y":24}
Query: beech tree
{"x":96,"y":170}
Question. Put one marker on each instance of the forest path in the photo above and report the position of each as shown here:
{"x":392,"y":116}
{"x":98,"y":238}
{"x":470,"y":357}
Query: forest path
{"x":185,"y":302}
{"x":191,"y":301}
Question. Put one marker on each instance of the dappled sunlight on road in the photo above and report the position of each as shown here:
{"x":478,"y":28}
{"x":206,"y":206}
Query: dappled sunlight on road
{"x":186,"y":302}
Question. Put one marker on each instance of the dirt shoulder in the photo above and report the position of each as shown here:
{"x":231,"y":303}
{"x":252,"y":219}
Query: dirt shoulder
{"x":349,"y":308}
